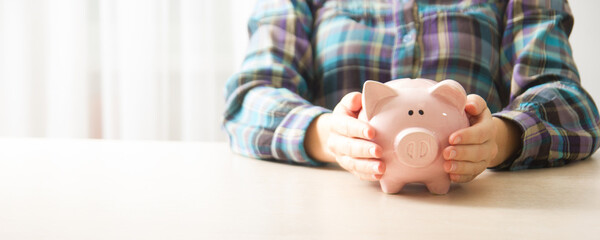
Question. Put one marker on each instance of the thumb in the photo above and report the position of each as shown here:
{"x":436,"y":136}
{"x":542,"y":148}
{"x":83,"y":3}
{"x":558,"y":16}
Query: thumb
{"x":475,"y":105}
{"x":355,"y":103}
{"x":350,"y":104}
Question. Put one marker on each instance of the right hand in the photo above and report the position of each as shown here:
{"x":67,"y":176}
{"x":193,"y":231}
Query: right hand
{"x":341,"y":137}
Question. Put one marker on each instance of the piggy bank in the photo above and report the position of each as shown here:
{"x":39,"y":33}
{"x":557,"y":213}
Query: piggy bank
{"x":413,"y":119}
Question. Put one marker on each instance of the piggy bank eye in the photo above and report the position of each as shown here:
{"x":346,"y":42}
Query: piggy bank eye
{"x":421,"y":112}
{"x":410,"y":112}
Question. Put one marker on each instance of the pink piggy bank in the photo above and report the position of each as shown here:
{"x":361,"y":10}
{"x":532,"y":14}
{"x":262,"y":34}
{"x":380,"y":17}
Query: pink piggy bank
{"x":413,"y":119}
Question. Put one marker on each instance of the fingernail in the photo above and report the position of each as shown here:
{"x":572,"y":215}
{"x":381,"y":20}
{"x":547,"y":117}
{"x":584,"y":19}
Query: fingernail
{"x":366,"y":133}
{"x":453,"y":167}
{"x":449,"y":166}
{"x":457,"y":140}
{"x":452,"y":154}
{"x":373,"y":152}
{"x":376,"y":168}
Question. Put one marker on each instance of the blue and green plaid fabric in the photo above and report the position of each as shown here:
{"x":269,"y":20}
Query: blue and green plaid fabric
{"x":304,"y":56}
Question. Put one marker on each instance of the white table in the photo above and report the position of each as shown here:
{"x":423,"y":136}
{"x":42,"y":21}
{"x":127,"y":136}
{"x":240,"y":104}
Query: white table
{"x":94,"y":189}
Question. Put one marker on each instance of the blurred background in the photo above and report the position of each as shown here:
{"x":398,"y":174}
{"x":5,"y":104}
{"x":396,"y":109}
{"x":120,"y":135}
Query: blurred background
{"x":146,"y":69}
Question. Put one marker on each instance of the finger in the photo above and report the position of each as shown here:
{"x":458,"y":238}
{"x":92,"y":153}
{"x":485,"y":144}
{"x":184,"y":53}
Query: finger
{"x":369,"y":177}
{"x":361,"y":166}
{"x":458,"y":178}
{"x":351,"y":127}
{"x":471,"y":153}
{"x":353,"y":147}
{"x":465,"y":168}
{"x":350,"y":104}
{"x":481,"y":131}
{"x":475,"y":104}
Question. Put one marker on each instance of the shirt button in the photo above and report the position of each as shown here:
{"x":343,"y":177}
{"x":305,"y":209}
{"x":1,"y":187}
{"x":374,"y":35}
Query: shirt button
{"x":408,"y":38}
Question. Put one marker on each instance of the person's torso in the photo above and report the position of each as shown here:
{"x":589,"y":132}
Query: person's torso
{"x":359,"y":40}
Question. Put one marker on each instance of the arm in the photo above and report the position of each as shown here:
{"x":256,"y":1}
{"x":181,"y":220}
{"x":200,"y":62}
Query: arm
{"x":558,"y":120}
{"x":267,"y":112}
{"x":549,"y":121}
{"x":267,"y":115}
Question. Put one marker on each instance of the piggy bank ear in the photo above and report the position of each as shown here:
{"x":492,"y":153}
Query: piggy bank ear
{"x":451,"y":92}
{"x":373,"y":92}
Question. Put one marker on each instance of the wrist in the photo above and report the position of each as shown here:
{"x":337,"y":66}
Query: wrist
{"x":315,"y":141}
{"x":508,"y":140}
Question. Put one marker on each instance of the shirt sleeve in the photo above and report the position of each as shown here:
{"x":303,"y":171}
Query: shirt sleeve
{"x":558,"y":118}
{"x":267,"y":108}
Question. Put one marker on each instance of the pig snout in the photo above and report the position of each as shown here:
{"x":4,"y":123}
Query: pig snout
{"x":416,"y":147}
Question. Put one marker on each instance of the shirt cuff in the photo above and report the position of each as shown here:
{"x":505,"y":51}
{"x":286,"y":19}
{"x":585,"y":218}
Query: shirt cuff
{"x":531,"y":139}
{"x":288,"y":140}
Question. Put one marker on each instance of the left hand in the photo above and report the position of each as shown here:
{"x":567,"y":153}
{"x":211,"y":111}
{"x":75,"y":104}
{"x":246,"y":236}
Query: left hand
{"x":473,"y":148}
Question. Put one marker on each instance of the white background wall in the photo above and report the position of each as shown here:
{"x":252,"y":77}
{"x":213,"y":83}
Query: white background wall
{"x":118,"y":69}
{"x":585,"y":40}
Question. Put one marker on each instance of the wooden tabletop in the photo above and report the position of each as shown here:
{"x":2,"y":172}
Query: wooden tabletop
{"x":102,"y":189}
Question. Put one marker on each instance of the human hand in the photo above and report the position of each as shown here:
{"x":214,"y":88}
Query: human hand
{"x":346,"y":140}
{"x":473,"y":148}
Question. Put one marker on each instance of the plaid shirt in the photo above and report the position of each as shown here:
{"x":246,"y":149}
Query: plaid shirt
{"x":304,"y":56}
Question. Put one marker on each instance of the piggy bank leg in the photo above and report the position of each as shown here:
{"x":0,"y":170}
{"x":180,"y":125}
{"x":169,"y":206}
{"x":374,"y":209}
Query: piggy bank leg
{"x":438,"y":187}
{"x":391,"y":187}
